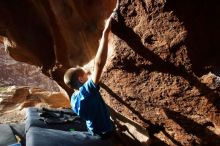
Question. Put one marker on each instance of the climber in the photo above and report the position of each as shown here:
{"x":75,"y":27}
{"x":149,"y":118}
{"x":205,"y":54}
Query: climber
{"x":86,"y":100}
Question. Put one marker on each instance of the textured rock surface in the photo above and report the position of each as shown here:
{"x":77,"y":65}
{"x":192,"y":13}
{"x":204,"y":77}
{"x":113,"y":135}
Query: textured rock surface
{"x":158,"y":74}
{"x":161,"y":50}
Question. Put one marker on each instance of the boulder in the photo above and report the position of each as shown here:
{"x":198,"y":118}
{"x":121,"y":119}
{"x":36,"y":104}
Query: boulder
{"x":160,"y":54}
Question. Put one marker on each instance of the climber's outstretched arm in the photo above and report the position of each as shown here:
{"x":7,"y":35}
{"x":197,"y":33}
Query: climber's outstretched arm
{"x":101,"y":56}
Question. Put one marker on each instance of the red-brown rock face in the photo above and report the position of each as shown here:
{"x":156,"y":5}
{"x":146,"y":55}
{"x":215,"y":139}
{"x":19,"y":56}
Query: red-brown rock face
{"x":53,"y":34}
{"x":158,"y":74}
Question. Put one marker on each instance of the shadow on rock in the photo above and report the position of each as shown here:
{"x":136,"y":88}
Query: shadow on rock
{"x":206,"y":136}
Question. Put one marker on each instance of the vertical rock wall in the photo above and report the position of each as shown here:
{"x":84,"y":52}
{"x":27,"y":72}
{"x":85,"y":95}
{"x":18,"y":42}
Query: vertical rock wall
{"x":159,"y":72}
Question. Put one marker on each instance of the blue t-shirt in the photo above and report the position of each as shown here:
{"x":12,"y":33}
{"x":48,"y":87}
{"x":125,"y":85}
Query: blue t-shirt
{"x":89,"y":105}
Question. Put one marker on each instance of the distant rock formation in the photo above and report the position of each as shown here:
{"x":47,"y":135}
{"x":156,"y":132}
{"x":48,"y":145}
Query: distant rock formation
{"x":14,"y":73}
{"x":15,"y":99}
